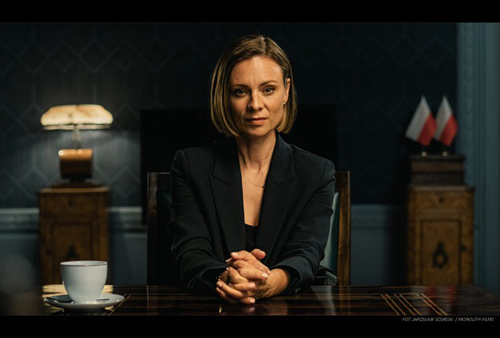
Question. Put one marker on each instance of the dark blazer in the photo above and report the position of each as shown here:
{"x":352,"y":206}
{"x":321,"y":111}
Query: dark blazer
{"x":207,"y":212}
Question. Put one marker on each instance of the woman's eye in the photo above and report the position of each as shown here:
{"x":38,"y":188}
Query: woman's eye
{"x":239,"y":92}
{"x":269,"y":90}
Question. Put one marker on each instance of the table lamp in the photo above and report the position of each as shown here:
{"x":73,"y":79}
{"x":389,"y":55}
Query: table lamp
{"x":76,"y":163}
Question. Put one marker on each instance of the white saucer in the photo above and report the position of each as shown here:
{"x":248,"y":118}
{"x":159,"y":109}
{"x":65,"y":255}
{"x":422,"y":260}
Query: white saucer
{"x":65,"y":302}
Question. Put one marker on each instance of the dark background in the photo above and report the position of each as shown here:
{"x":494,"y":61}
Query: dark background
{"x":371,"y":74}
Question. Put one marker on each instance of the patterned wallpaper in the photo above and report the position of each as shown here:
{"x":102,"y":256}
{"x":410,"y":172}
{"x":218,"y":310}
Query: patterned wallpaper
{"x":373,"y":73}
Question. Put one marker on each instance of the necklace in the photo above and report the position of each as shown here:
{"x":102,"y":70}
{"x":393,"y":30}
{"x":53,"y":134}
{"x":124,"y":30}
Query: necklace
{"x":257,"y":185}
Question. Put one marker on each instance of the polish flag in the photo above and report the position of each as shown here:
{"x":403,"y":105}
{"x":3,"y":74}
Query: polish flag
{"x":446,"y":123}
{"x":422,"y":125}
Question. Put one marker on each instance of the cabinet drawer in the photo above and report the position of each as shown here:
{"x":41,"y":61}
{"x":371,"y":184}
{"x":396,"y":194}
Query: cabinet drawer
{"x":72,"y":206}
{"x":441,"y":199}
{"x":65,"y":204}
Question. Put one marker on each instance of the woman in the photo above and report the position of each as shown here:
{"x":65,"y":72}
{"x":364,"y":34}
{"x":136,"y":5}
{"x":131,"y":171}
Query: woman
{"x":250,"y":213}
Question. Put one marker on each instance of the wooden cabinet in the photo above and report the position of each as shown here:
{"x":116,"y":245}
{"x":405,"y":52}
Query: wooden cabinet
{"x":440,"y":230}
{"x":73,"y":226}
{"x":440,"y":235}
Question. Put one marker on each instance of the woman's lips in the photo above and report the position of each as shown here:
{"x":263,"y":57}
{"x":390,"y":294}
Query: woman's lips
{"x":256,"y":120}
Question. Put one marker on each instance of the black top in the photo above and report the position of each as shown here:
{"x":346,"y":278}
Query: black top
{"x":251,"y":233}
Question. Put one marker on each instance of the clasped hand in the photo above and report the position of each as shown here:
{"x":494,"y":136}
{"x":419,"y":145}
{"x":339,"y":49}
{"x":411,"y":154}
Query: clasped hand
{"x":248,"y":279}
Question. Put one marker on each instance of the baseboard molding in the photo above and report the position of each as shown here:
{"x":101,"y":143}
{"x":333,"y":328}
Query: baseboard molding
{"x":25,"y":220}
{"x":364,"y":217}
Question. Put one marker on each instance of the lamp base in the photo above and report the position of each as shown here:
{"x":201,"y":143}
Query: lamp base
{"x":76,"y":169}
{"x":75,"y":164}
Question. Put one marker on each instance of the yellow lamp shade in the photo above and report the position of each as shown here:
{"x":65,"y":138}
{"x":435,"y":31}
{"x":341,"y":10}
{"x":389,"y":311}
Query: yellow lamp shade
{"x":81,"y":116}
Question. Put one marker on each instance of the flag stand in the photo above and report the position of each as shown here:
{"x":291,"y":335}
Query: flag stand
{"x":436,"y":169}
{"x":434,"y":149}
{"x":445,"y":150}
{"x":423,"y":151}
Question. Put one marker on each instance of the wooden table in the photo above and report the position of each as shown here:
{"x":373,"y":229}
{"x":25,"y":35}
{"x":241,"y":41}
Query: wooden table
{"x":318,"y":300}
{"x":389,"y":309}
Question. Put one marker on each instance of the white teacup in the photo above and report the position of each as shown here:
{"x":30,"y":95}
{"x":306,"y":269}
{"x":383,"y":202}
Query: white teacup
{"x":84,"y":280}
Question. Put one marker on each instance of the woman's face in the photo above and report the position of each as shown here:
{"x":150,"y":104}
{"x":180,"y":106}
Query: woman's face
{"x":257,"y":96}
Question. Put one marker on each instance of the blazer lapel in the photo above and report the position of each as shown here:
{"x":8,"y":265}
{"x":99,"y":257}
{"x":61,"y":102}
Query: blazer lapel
{"x":227,"y":193}
{"x":280,"y":185}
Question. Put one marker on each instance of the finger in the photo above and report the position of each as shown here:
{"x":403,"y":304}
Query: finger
{"x":241,"y":264}
{"x":249,"y":258}
{"x":228,"y":292}
{"x":245,"y":287}
{"x":243,"y":254}
{"x":253,"y":273}
{"x":258,"y":253}
{"x":223,"y":295}
{"x":246,"y":275}
{"x":234,"y":276}
{"x":247,"y":300}
{"x":245,"y":296}
{"x":240,"y":283}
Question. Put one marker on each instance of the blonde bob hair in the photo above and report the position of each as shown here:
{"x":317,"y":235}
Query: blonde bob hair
{"x":239,"y":50}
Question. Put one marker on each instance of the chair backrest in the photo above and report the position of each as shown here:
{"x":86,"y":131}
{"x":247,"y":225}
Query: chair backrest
{"x":344,"y":248}
{"x":160,"y":267}
{"x":337,"y":259}
{"x":160,"y":264}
